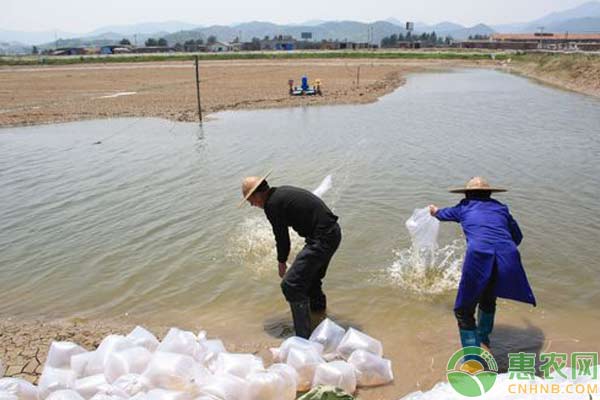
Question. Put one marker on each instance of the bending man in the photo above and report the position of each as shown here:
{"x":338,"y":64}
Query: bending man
{"x":307,"y":214}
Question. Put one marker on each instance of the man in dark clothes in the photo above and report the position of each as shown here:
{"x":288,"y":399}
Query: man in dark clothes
{"x":307,"y":214}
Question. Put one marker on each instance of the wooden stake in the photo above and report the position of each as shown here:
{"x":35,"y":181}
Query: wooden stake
{"x":198,"y":91}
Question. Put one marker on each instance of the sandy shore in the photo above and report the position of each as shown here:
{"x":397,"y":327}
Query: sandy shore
{"x":35,"y":95}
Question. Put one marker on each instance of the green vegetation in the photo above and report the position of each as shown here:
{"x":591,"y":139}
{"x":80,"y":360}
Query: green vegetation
{"x":62,"y":60}
{"x":425,"y":39}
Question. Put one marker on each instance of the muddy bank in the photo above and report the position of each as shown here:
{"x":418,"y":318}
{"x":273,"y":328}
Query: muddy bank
{"x":576,"y":72}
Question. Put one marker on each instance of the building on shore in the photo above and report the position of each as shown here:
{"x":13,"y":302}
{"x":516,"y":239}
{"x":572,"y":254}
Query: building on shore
{"x":68,"y":51}
{"x":116,"y":49}
{"x":222,"y":47}
{"x":538,"y":40}
{"x":280,"y":42}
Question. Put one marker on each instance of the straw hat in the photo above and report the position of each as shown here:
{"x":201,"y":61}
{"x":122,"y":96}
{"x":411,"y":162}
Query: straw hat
{"x":250,"y":184}
{"x":477,"y":183}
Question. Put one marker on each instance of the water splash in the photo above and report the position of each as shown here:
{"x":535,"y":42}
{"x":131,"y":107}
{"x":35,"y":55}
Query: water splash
{"x":253,"y":243}
{"x":428,"y":271}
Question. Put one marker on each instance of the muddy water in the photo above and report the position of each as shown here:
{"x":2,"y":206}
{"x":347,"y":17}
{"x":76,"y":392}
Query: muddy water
{"x":144,"y":224}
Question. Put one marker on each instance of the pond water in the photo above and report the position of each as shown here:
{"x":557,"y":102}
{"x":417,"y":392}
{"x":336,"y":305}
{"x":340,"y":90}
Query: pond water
{"x":145,"y":223}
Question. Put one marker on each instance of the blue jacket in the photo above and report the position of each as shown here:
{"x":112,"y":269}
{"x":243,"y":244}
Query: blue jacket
{"x":492,"y":238}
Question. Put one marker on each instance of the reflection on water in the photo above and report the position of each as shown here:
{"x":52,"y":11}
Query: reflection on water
{"x":146,"y":222}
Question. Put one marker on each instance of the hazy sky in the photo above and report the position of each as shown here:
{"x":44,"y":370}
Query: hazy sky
{"x":86,"y":15}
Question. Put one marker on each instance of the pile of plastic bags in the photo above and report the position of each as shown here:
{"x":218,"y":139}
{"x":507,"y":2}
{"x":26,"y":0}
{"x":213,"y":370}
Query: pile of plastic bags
{"x":185,"y":366}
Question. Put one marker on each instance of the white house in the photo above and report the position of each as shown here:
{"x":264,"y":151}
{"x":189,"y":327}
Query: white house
{"x":219,"y":47}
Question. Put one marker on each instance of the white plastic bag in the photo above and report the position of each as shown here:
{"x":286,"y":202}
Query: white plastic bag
{"x":210,"y":350}
{"x":329,"y":334}
{"x":423,"y":229}
{"x":162,"y":394}
{"x":355,"y":340}
{"x":111,"y":391}
{"x":7,"y":396}
{"x":110,"y":344}
{"x":142,"y":337}
{"x":304,"y":362}
{"x":371,"y":370}
{"x":225,"y":387}
{"x":170,"y":371}
{"x":265,"y":385}
{"x":89,"y":386}
{"x":323,"y":187}
{"x":60,"y":353}
{"x":129,"y":361}
{"x":336,"y":373}
{"x":281,"y":354}
{"x":79,"y":363}
{"x":102,"y":396}
{"x":132,"y":384}
{"x":240,"y":365}
{"x":65,"y":395}
{"x":19,"y":387}
{"x":289,"y":377}
{"x":54,"y":379}
{"x":180,"y":342}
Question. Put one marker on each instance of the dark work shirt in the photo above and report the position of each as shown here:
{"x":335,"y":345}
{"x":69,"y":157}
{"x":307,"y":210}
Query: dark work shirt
{"x":307,"y":214}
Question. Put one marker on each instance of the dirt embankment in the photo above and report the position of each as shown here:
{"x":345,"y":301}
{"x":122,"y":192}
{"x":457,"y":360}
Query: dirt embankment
{"x":577,"y":72}
{"x":35,"y":95}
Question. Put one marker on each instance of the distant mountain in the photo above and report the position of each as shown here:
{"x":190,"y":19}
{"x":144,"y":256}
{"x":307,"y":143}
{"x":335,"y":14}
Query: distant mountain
{"x":578,"y":19}
{"x":144,"y":28}
{"x":396,"y":21}
{"x":589,"y":9}
{"x":343,"y":30}
{"x":511,"y":28}
{"x":577,"y":25}
{"x":312,"y":22}
{"x":581,"y":19}
{"x":480,"y":29}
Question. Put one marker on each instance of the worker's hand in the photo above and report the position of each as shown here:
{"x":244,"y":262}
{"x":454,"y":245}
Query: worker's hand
{"x":282,"y":269}
{"x":433,"y":210}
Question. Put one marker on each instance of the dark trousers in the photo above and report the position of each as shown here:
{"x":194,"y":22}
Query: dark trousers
{"x":303,"y":280}
{"x":487,"y":303}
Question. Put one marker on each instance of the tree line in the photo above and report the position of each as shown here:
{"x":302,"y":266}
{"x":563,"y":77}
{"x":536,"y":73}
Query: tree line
{"x":428,"y":39}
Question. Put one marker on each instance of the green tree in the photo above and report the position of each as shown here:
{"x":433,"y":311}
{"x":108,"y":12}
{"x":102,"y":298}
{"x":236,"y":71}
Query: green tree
{"x":212,"y":39}
{"x":151,"y":42}
{"x":178,"y":46}
{"x":199,"y":42}
{"x":34,"y":50}
{"x":125,"y":42}
{"x":163,"y":42}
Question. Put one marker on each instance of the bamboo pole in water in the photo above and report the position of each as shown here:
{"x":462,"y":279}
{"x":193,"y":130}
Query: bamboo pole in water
{"x":198,"y":91}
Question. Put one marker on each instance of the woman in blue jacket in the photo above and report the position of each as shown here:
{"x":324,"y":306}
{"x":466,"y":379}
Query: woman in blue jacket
{"x":492,"y":266}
